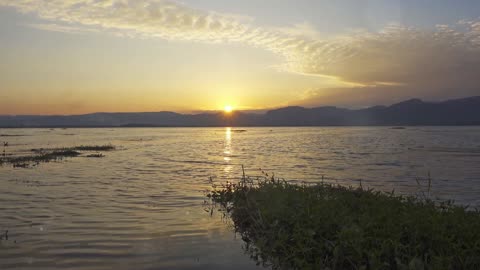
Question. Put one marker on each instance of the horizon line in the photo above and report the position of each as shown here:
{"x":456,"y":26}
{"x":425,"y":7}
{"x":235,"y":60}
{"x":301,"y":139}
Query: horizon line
{"x":252,"y":111}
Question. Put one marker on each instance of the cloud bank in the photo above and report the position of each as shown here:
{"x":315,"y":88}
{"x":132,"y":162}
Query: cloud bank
{"x":444,"y":57}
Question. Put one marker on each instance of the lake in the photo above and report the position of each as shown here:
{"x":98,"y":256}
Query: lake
{"x":141,"y":206}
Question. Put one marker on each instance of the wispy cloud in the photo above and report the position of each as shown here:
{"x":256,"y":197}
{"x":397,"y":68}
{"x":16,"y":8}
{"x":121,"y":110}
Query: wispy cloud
{"x":446,"y":56}
{"x":53,"y":27}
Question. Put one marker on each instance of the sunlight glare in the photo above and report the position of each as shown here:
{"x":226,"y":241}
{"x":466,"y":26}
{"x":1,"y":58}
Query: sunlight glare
{"x":228,"y":109}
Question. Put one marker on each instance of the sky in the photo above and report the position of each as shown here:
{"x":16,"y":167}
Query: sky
{"x":83,"y":56}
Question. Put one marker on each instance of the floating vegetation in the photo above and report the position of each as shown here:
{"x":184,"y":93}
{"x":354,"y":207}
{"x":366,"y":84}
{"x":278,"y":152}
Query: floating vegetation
{"x":43,"y":155}
{"x":99,"y":155}
{"x":239,"y":130}
{"x":21,"y":165}
{"x":94,"y":148}
{"x":5,"y":145}
{"x":87,"y":148}
{"x":324,"y":226}
{"x":12,"y":135}
{"x":4,"y":236}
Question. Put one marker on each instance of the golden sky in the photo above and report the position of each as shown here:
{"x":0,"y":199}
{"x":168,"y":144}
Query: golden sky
{"x":81,"y":56}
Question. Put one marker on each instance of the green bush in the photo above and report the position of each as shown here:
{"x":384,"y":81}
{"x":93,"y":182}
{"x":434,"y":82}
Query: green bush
{"x":290,"y":226}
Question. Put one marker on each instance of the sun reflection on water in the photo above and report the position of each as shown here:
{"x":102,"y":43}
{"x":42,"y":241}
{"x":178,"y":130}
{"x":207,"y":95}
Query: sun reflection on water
{"x":227,"y":151}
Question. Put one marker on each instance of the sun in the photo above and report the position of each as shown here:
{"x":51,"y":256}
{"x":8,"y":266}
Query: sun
{"x":228,"y":109}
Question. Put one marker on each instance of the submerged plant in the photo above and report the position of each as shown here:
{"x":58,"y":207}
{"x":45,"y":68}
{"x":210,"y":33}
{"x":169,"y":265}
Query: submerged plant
{"x":324,"y":226}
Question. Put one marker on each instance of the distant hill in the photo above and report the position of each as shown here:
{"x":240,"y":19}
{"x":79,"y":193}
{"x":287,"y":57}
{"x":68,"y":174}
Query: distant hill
{"x":465,"y":111}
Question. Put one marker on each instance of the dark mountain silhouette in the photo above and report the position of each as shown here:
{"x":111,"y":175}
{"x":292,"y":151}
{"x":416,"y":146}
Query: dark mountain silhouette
{"x":465,"y":111}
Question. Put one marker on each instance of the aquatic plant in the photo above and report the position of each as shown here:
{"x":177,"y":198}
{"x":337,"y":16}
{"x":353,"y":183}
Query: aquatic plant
{"x":325,"y":226}
{"x":78,"y":148}
{"x":98,"y":155}
{"x":107,"y":147}
{"x":42,"y":155}
{"x":4,"y":236}
{"x":5,"y":144}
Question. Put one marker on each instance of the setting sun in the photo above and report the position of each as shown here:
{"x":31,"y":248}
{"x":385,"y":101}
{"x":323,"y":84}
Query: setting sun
{"x":228,"y":109}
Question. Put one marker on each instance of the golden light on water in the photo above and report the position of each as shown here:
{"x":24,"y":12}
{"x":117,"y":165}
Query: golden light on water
{"x":227,"y":152}
{"x":228,"y":142}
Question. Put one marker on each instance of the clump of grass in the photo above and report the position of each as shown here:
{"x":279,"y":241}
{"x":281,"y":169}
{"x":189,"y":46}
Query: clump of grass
{"x":94,"y":148}
{"x":324,"y":226}
{"x":43,"y":155}
{"x":98,"y":155}
{"x":4,"y":236}
{"x":5,"y":144}
{"x":21,"y":165}
{"x":86,"y":148}
{"x":23,"y":161}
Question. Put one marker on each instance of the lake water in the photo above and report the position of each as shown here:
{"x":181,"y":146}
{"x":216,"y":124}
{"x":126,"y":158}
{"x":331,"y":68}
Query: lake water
{"x":141,"y":206}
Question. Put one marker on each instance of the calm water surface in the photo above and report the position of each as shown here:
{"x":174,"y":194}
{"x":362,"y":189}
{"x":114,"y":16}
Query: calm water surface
{"x":140,"y":207}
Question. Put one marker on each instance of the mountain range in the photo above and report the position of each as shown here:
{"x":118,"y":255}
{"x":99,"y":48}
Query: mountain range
{"x":465,"y":111}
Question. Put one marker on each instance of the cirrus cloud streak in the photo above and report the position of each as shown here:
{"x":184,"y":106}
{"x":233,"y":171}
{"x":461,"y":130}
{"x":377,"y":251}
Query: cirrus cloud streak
{"x":444,"y":57}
